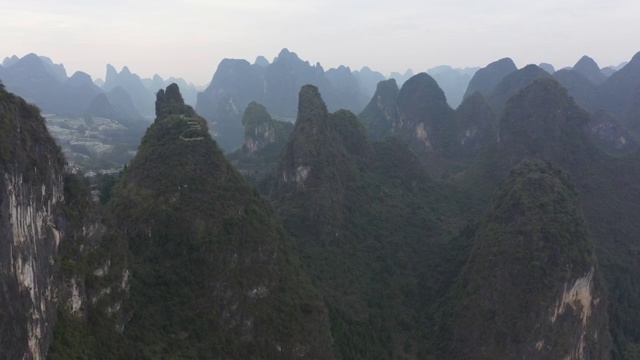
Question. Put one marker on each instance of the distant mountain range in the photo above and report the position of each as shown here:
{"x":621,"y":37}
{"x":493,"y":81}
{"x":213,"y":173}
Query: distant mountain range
{"x":236,"y":83}
{"x":504,"y":228}
{"x":123,"y":95}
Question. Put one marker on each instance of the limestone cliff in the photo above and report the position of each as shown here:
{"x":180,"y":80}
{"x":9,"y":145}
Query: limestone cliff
{"x":425,"y":120}
{"x":53,"y":257}
{"x":546,"y":297}
{"x":31,"y":188}
{"x":261,"y":130}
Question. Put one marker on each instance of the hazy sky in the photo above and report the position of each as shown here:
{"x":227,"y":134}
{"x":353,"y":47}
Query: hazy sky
{"x":189,"y":38}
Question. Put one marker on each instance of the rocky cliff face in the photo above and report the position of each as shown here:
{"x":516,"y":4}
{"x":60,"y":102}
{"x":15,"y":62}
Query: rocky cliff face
{"x":31,"y":189}
{"x":546,"y":298}
{"x":48,"y":231}
{"x":260,"y":130}
{"x":425,"y":119}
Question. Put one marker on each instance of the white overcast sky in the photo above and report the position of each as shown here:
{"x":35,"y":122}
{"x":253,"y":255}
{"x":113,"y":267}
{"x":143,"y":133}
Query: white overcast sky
{"x":189,"y":38}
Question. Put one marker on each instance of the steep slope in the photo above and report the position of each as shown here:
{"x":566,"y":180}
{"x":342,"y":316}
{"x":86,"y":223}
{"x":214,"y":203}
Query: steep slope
{"x":53,"y":253}
{"x":401,"y":78}
{"x":189,"y":91}
{"x":453,"y":82}
{"x":121,"y":101}
{"x":486,"y":79}
{"x":212,"y":268}
{"x":616,"y":94}
{"x":345,"y":91}
{"x":590,"y":69}
{"x":264,"y":139}
{"x":368,"y":80}
{"x":609,"y":70}
{"x":75,"y":95}
{"x":368,"y":222}
{"x":382,"y":111}
{"x":424,"y":117}
{"x":284,"y":77}
{"x":57,"y":70}
{"x":8,"y":61}
{"x":31,"y":188}
{"x":132,"y":84}
{"x":236,"y":83}
{"x":547,"y":67}
{"x":632,"y":118}
{"x":261,"y":130}
{"x":543,"y":122}
{"x":30,"y":79}
{"x":474,"y":123}
{"x":513,"y":83}
{"x":609,"y":134}
{"x":546,"y":296}
{"x":580,"y":88}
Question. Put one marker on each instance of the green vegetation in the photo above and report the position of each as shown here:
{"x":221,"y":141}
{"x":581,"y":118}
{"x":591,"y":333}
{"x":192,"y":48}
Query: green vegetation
{"x":533,"y":245}
{"x":264,"y":139}
{"x":382,"y":110}
{"x":213,"y":273}
{"x":446,"y":237}
{"x":25,"y":142}
{"x":373,"y":230}
{"x":543,"y":122}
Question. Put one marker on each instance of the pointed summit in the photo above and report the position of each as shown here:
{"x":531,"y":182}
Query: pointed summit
{"x":80,"y":78}
{"x":112,"y":73}
{"x":311,"y":108}
{"x":261,"y":61}
{"x":286,"y":55}
{"x":424,"y":117}
{"x":8,"y":61}
{"x":619,"y":92}
{"x":32,"y":63}
{"x":193,"y":224}
{"x":547,"y":67}
{"x":261,"y":130}
{"x":546,"y":298}
{"x":513,"y":83}
{"x":486,"y":79}
{"x":382,"y":110}
{"x":170,"y":101}
{"x":542,"y":121}
{"x":319,"y":141}
{"x":580,"y":88}
{"x":141,"y":96}
{"x":590,"y":69}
